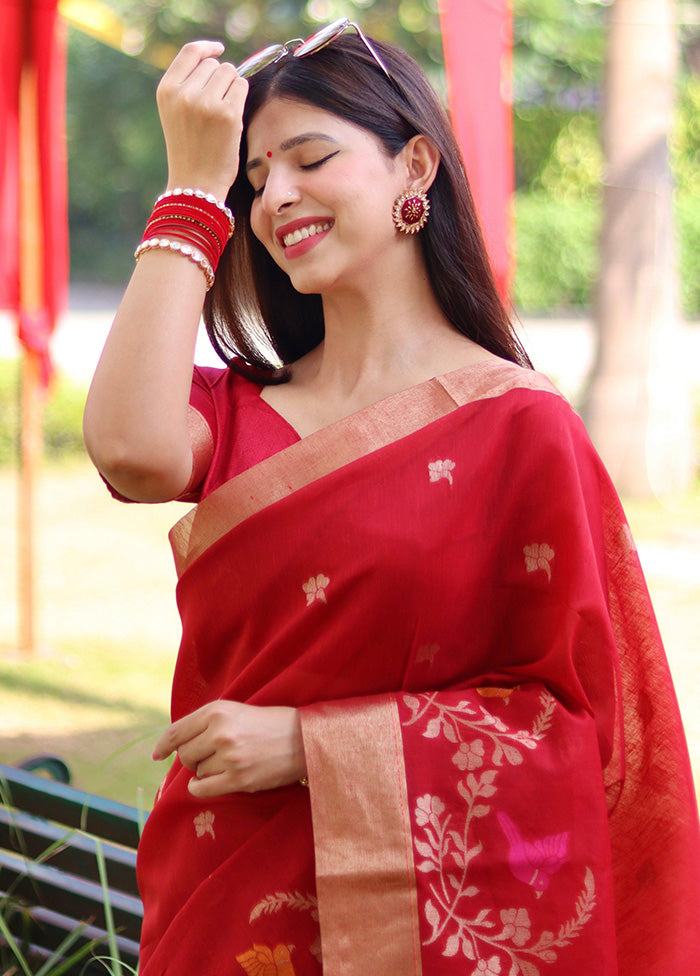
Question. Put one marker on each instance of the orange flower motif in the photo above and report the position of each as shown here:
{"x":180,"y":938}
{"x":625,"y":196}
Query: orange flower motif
{"x":315,"y":589}
{"x":539,"y":557}
{"x":497,"y":692}
{"x":263,"y":961}
{"x":204,"y":824}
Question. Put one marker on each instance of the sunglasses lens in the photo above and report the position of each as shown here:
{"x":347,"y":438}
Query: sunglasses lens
{"x":260,"y":60}
{"x":322,"y":37}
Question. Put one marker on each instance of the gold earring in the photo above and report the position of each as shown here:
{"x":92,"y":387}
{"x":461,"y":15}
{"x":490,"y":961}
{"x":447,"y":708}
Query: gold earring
{"x":410,"y":212}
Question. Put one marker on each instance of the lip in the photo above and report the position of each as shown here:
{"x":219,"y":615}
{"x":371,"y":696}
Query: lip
{"x":297,"y":224}
{"x":301,"y":247}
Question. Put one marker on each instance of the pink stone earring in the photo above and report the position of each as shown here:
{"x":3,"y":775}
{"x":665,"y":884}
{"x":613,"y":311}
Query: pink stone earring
{"x":410,"y":213}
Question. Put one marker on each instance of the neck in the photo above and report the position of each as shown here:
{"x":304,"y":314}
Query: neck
{"x":377,"y":332}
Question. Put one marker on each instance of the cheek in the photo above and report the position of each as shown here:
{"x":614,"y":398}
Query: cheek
{"x":257,"y":220}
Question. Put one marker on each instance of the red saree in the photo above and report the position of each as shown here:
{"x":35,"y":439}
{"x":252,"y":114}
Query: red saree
{"x":445,"y":584}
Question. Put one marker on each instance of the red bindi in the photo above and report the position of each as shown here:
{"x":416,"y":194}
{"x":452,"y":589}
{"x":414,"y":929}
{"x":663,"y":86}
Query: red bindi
{"x":269,"y":155}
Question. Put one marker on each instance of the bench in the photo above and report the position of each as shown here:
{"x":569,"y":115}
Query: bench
{"x":51,"y":836}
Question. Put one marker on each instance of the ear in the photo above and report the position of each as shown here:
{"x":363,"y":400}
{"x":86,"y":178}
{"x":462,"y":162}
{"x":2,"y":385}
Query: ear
{"x":422,"y":160}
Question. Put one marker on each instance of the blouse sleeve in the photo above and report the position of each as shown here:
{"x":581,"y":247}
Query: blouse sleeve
{"x":202,"y":426}
{"x":203,"y":429}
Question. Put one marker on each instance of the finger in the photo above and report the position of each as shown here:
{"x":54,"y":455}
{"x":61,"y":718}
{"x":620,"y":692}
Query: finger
{"x":200,"y":76}
{"x":196,"y":751}
{"x":211,"y":765}
{"x":179,"y":733}
{"x":189,"y":56}
{"x":210,"y":786}
{"x":220,"y":81}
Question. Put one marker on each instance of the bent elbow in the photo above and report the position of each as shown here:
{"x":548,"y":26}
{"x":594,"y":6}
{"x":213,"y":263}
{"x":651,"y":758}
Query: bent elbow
{"x":155,"y":475}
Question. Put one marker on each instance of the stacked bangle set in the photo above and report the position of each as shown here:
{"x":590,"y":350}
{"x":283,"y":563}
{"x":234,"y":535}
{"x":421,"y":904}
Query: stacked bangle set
{"x":191,"y":223}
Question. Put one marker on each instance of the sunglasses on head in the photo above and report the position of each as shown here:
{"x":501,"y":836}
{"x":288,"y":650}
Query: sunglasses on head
{"x":302,"y":48}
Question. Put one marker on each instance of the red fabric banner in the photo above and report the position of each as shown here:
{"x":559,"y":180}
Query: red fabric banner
{"x":477,"y":40}
{"x":33,"y":211}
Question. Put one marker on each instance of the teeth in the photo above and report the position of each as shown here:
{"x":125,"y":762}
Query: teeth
{"x":303,"y":232}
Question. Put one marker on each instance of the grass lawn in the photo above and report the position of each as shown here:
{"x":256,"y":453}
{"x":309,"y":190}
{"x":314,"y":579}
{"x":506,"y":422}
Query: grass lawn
{"x":97,"y":691}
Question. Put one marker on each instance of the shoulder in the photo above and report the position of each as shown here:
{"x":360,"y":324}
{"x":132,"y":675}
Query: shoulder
{"x":494,"y":377}
{"x":520,"y":408}
{"x":221,"y":380}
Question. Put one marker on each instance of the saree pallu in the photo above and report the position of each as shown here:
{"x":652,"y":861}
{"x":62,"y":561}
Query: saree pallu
{"x":446,"y":586}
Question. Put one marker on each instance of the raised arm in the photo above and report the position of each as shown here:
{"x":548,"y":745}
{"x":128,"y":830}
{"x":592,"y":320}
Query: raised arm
{"x":135,"y":422}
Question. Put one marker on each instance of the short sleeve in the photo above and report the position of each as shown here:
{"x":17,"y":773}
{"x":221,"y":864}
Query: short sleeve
{"x":231,"y":429}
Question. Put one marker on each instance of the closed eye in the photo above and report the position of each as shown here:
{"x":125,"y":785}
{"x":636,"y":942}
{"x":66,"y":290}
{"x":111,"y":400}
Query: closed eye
{"x":320,"y":162}
{"x":307,"y":166}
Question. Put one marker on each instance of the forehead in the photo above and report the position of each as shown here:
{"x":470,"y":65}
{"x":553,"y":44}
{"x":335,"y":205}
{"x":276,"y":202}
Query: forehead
{"x":280,"y":119}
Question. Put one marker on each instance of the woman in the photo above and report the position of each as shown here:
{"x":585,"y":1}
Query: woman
{"x":421,"y":714}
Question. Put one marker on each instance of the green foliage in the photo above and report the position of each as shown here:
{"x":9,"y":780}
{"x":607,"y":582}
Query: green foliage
{"x":556,"y":251}
{"x":558,"y":52}
{"x":116,"y":162}
{"x":9,"y":410}
{"x":63,"y":416}
{"x":63,"y":419}
{"x":685,"y":140}
{"x":558,"y":151}
{"x":117,"y":157}
{"x":688,"y":226}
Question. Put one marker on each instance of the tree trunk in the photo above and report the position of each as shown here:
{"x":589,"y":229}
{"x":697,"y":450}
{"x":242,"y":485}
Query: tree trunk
{"x":637,"y":406}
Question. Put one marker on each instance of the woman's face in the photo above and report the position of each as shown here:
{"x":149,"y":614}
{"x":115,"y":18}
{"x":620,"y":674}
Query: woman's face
{"x":324,"y":191}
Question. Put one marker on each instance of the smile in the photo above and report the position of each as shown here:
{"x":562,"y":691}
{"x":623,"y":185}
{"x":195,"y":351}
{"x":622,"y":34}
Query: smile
{"x":302,"y":233}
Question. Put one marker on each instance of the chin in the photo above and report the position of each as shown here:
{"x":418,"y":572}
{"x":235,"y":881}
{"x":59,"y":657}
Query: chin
{"x":308,"y":283}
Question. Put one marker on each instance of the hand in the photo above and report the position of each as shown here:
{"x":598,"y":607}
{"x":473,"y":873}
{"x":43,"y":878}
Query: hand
{"x":233,"y":748}
{"x":201,"y":101}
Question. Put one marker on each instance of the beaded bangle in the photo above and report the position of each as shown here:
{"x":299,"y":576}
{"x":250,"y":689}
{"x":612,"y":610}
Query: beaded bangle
{"x":192,"y":223}
{"x":201,"y":196}
{"x":215,"y":221}
{"x":178,"y":247}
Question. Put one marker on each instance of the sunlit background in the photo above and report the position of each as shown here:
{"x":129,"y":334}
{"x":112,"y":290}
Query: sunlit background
{"x":108,"y":627}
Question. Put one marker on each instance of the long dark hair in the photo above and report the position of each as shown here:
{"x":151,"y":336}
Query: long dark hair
{"x":254,"y":314}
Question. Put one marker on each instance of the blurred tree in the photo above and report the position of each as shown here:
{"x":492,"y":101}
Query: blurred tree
{"x":637,"y":407}
{"x":116,"y":152}
{"x":116,"y":156}
{"x":558,"y":52}
{"x":117,"y":162}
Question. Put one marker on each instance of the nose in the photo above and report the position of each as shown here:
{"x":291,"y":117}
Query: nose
{"x":281,"y":191}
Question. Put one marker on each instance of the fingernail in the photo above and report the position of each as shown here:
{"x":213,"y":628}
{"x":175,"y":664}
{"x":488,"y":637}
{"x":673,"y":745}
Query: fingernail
{"x":155,"y":755}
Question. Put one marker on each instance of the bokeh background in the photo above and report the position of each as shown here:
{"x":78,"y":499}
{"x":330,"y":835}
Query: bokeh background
{"x":95,"y":688}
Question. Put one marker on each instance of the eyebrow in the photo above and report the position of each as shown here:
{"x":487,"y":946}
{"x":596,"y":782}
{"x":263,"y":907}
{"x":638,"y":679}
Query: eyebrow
{"x":292,"y":144}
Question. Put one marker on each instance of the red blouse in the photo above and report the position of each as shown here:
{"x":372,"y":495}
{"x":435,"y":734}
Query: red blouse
{"x":244,"y":428}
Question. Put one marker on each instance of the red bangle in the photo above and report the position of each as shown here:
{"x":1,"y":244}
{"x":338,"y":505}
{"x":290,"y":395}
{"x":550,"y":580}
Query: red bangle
{"x":187,"y":234}
{"x":217,"y":224}
{"x":201,"y":199}
{"x":192,"y":223}
{"x":161,"y":216}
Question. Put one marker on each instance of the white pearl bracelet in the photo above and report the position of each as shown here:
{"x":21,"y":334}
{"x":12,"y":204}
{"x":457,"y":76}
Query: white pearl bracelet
{"x":201,"y":195}
{"x":178,"y":247}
